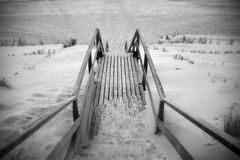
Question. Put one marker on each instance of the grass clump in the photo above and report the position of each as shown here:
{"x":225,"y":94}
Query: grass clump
{"x":232,"y":120}
{"x":69,"y":43}
{"x":4,"y":83}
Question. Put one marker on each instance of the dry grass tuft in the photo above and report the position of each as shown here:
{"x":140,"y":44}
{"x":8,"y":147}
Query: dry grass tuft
{"x":232,"y":120}
{"x":4,"y":83}
{"x":69,"y":43}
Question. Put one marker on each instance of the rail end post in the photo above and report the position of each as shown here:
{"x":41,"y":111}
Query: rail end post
{"x":160,"y":114}
{"x":75,"y":110}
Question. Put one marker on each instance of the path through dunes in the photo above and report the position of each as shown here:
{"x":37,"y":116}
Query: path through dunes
{"x":126,"y":133}
{"x":56,"y":21}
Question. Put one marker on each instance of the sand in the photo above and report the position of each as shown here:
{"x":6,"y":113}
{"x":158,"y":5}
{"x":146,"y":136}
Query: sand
{"x":39,"y":83}
{"x":208,"y":88}
{"x":127,"y":133}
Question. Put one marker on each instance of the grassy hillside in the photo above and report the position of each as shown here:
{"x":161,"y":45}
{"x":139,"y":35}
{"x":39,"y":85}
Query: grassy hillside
{"x":58,"y":20}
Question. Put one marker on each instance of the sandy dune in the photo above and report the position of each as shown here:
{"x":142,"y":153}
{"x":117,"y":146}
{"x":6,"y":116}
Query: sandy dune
{"x":56,"y":21}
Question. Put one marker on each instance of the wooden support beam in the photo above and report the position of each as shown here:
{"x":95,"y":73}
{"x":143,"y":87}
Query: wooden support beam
{"x":145,"y":66}
{"x":75,"y":110}
{"x":160,"y":114}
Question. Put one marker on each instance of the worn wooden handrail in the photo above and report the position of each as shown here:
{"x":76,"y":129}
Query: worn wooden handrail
{"x":6,"y":148}
{"x":13,"y":143}
{"x":96,"y":39}
{"x":223,"y":138}
{"x":71,"y":137}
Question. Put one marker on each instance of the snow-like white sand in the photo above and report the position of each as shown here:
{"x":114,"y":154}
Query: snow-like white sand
{"x":39,"y":83}
{"x":206,"y":88}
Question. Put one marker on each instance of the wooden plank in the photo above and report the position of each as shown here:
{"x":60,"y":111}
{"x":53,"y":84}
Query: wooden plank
{"x":115,"y":75}
{"x":75,"y":111}
{"x":128,"y":89}
{"x":228,"y":141}
{"x":135,"y":80}
{"x":120,"y":94}
{"x":142,"y":93}
{"x":96,"y":100}
{"x":104,"y":76}
{"x":94,"y":95}
{"x":133,"y":92}
{"x":83,"y":137}
{"x":123,"y":79}
{"x":16,"y":140}
{"x":111,"y":79}
{"x":107,"y":89}
{"x":83,"y":134}
{"x":98,"y":119}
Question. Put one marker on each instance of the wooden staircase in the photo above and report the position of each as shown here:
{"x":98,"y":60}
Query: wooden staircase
{"x":115,"y":77}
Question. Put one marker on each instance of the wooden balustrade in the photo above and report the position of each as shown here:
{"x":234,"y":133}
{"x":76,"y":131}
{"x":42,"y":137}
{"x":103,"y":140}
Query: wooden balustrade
{"x":223,"y":138}
{"x":62,"y":148}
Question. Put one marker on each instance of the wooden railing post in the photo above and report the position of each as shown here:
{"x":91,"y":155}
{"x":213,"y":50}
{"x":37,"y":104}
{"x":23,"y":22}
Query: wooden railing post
{"x":75,"y":110}
{"x":107,"y":47}
{"x":90,"y":63}
{"x":136,"y":47}
{"x":160,"y":114}
{"x":145,"y":68}
{"x":126,"y":47}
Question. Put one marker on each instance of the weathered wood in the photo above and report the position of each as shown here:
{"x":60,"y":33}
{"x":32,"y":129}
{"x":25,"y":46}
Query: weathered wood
{"x":120,"y":94}
{"x":228,"y":141}
{"x":145,"y":68}
{"x":160,"y":114}
{"x":75,"y":110}
{"x":98,"y":119}
{"x":15,"y":141}
{"x":111,"y":87}
{"x":90,"y":63}
{"x":130,"y":71}
{"x":132,"y":41}
{"x":135,"y":80}
{"x":60,"y":151}
{"x":94,"y":97}
{"x":83,"y":137}
{"x":96,"y":100}
{"x":84,"y":64}
{"x":152,"y":67}
{"x":103,"y":81}
{"x":115,"y":74}
{"x":107,"y":47}
{"x":107,"y":89}
{"x":123,"y":79}
{"x":223,"y":138}
{"x":140,"y":84}
{"x":128,"y":89}
{"x":126,"y":46}
{"x":99,"y":40}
